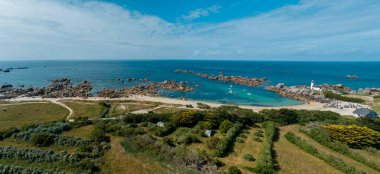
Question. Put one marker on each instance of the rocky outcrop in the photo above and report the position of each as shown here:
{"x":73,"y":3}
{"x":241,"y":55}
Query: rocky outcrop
{"x":247,"y":81}
{"x":57,"y":89}
{"x":299,"y":92}
{"x":150,"y":89}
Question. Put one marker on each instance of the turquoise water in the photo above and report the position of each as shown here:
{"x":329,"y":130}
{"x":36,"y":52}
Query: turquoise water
{"x":104,"y":74}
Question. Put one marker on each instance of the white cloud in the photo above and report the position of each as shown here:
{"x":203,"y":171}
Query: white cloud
{"x":198,"y":13}
{"x":315,"y":29}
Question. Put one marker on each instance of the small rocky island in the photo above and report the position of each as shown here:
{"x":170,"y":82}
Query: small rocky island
{"x":7,"y":70}
{"x":352,"y":76}
{"x":247,"y":81}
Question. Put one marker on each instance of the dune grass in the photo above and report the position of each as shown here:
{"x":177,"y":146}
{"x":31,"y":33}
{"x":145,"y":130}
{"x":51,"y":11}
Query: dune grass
{"x":19,"y":115}
{"x":85,"y":109}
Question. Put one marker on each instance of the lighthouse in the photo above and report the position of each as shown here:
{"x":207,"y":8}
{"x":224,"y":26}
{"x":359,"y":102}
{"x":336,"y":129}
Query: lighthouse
{"x":312,"y":87}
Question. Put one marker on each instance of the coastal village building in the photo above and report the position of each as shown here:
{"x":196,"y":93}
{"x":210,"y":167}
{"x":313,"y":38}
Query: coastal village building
{"x":365,"y":112}
{"x":314,"y":87}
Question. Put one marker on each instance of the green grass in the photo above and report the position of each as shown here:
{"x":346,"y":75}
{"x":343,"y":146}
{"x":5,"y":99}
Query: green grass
{"x":85,"y":109}
{"x":82,"y":132}
{"x":118,"y":109}
{"x":19,"y":115}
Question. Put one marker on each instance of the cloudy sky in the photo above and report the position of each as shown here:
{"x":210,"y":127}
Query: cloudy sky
{"x":184,"y":29}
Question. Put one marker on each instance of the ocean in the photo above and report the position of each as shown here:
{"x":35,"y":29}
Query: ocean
{"x":104,"y":74}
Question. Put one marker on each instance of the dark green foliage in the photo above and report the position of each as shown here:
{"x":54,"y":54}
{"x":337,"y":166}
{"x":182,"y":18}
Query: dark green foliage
{"x":18,"y":169}
{"x":225,"y":126}
{"x":106,"y":107}
{"x":305,"y":116}
{"x":281,"y":116}
{"x":236,"y":114}
{"x":372,"y":123}
{"x":322,"y":137}
{"x":265,"y":159}
{"x":33,"y":155}
{"x":333,"y":161}
{"x":233,"y":170}
{"x":8,"y":133}
{"x":98,"y":134}
{"x":203,"y":106}
{"x":212,"y":142}
{"x":225,"y":144}
{"x":331,"y":95}
{"x":248,"y":157}
{"x":187,"y":118}
{"x":42,"y":139}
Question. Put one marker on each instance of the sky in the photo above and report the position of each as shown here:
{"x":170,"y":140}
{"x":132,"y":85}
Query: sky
{"x":336,"y":30}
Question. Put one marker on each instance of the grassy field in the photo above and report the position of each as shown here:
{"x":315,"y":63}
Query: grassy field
{"x":85,"y":109}
{"x":20,"y":114}
{"x":82,"y":132}
{"x":120,"y":108}
{"x":118,"y":161}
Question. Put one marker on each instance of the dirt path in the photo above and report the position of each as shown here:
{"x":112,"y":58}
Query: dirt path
{"x":56,"y":101}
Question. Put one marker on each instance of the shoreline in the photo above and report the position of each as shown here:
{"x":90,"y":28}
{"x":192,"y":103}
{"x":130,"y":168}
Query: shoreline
{"x":166,"y":100}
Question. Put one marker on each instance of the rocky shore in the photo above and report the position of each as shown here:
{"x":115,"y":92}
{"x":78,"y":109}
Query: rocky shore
{"x":304,"y":93}
{"x":251,"y":82}
{"x":57,"y":89}
{"x":149,"y":89}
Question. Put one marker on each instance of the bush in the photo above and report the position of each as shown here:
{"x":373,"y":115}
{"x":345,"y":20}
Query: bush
{"x":281,"y":116}
{"x":331,"y":95}
{"x":248,"y":157}
{"x":354,"y":136}
{"x":19,"y":169}
{"x":187,"y":118}
{"x":372,"y":123}
{"x":331,"y":160}
{"x":233,"y":170}
{"x":265,"y":158}
{"x":203,"y":106}
{"x":212,"y":142}
{"x":225,"y":126}
{"x":42,"y":139}
{"x":225,"y":144}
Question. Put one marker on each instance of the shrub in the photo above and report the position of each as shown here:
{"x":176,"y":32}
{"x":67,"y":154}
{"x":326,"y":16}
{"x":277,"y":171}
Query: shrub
{"x":331,"y":95}
{"x":203,"y":106}
{"x":354,"y":136}
{"x":225,"y":144}
{"x":233,"y":170}
{"x":248,"y":157}
{"x":281,"y":116}
{"x":42,"y":139}
{"x":212,"y":142}
{"x":372,"y":123}
{"x":19,"y":169}
{"x":187,"y":118}
{"x":265,"y":158}
{"x":225,"y":126}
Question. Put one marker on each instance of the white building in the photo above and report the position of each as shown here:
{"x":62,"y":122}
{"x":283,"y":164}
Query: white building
{"x":313,"y":87}
{"x":208,"y":133}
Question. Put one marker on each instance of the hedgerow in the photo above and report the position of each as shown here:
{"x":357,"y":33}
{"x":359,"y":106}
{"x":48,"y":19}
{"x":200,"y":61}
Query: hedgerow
{"x":225,"y":144}
{"x":330,"y":159}
{"x":5,"y":169}
{"x":265,"y":159}
{"x":321,"y":136}
{"x":34,"y":155}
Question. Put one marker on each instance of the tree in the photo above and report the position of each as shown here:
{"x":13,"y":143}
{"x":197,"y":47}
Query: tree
{"x":42,"y":139}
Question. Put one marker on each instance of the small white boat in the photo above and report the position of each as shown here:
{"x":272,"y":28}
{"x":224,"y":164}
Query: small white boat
{"x":249,"y":93}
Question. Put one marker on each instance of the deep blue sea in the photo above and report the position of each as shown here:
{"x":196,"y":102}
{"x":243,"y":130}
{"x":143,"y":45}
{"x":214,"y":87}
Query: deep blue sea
{"x":104,"y":74}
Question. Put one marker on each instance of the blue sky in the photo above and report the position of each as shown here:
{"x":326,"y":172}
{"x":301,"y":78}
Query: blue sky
{"x":184,"y":29}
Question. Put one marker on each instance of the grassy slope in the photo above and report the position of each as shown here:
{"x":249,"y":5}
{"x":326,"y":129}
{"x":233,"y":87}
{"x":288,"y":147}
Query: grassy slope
{"x":82,"y":132}
{"x":85,"y":109}
{"x":293,"y":160}
{"x":240,"y":149}
{"x":360,"y":166}
{"x":19,"y":115}
{"x":123,"y":108}
{"x":117,"y":161}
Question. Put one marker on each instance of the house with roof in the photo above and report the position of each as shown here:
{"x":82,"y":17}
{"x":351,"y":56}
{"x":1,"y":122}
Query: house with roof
{"x":365,"y":112}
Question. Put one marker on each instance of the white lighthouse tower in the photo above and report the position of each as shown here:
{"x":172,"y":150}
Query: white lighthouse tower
{"x":312,"y":87}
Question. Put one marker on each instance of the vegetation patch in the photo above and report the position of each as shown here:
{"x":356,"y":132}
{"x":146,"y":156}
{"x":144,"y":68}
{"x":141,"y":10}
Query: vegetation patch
{"x":322,"y":136}
{"x":330,"y":159}
{"x":265,"y":159}
{"x":331,"y":95}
